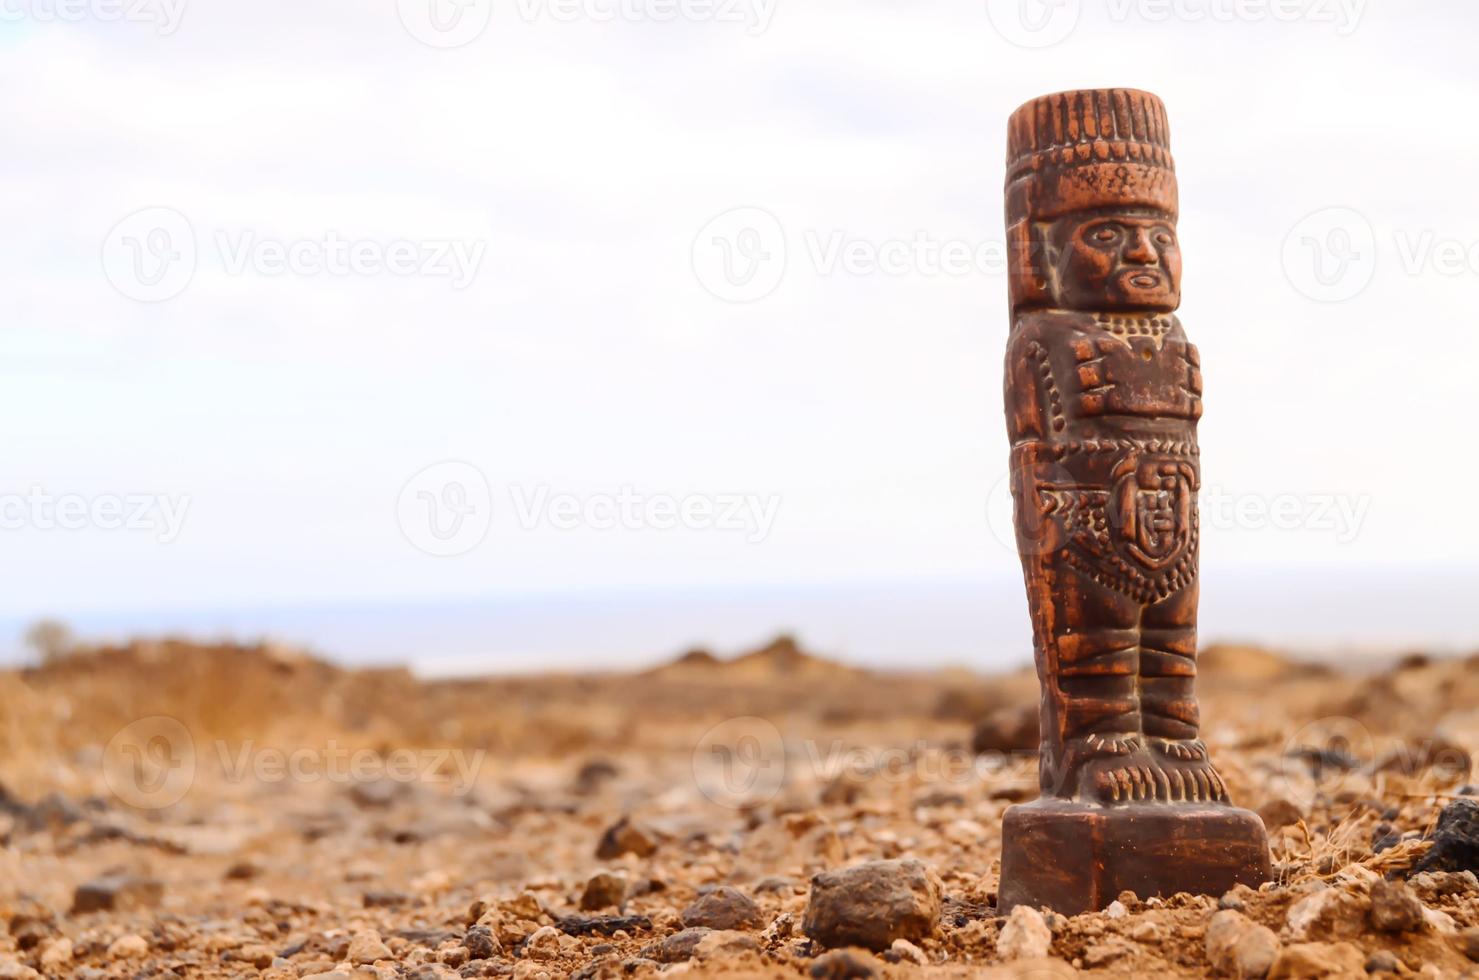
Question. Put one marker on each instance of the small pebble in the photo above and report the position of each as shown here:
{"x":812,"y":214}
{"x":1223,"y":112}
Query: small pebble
{"x":1025,"y":936}
{"x":128,"y":947}
{"x":723,"y":908}
{"x":366,"y":947}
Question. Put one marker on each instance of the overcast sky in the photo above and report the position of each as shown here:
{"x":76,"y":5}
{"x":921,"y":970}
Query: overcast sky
{"x":558,"y":318}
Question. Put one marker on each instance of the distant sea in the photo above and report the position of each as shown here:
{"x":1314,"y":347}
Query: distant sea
{"x":981,"y":625}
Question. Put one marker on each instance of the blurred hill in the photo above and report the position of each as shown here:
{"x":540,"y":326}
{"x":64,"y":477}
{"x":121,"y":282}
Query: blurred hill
{"x":81,"y":695}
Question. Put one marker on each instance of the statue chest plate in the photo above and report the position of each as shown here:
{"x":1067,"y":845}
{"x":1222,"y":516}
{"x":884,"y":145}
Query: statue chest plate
{"x":1137,"y":375}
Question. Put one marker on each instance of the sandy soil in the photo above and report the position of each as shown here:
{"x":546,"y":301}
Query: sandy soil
{"x":170,"y":809}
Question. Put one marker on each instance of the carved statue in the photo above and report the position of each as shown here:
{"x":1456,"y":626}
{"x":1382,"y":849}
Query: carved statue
{"x":1103,"y":394}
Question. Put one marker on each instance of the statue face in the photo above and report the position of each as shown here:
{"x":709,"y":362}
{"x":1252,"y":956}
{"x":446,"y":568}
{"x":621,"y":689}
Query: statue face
{"x":1117,"y":262}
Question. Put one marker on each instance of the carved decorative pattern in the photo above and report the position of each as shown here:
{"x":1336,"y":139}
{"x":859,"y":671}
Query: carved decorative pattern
{"x":1039,"y":357}
{"x":1154,"y":327}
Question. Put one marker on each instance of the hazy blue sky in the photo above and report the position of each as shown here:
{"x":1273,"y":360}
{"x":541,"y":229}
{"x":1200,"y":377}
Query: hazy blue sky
{"x":568,"y":155}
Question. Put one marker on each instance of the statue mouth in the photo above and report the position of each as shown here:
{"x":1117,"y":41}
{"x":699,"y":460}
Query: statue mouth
{"x":1144,"y":280}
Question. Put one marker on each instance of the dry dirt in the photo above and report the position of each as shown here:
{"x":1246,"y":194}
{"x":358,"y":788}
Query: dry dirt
{"x":172,"y":809}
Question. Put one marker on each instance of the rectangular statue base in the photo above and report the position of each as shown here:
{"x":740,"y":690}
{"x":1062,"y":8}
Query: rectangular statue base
{"x":1078,"y":857}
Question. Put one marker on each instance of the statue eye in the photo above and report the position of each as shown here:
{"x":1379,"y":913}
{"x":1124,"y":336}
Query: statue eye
{"x":1165,"y":238}
{"x":1105,"y":233}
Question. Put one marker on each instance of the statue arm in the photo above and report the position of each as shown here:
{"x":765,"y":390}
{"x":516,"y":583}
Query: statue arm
{"x":1032,"y":397}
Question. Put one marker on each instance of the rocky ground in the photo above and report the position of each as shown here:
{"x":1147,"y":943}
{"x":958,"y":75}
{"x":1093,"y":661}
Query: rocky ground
{"x":169,"y":809}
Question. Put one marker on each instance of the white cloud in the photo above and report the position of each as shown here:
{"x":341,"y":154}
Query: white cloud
{"x":587,"y":357}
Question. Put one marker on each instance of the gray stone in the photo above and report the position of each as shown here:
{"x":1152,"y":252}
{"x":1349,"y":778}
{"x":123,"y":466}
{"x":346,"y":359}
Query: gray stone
{"x":603,"y":890}
{"x":1394,"y":908}
{"x":1239,"y":947}
{"x":723,"y":908}
{"x":1455,"y":839}
{"x":870,"y":905}
{"x":116,"y":893}
{"x":1383,"y":961}
{"x":626,"y":837}
{"x":677,"y":947}
{"x":846,"y":964}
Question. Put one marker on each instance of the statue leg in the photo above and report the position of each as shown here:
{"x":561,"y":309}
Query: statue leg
{"x":1087,"y":650}
{"x":1168,"y":673}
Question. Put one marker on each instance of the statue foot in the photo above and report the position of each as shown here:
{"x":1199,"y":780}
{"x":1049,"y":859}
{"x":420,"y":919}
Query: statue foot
{"x":1111,"y":768}
{"x":1192,"y":780}
{"x":1122,"y":743}
{"x":1119,"y":768}
{"x":1185,"y":749}
{"x":1130,"y":779}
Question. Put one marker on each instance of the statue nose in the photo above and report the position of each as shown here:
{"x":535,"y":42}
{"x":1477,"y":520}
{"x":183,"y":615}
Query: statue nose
{"x":1141,"y":251}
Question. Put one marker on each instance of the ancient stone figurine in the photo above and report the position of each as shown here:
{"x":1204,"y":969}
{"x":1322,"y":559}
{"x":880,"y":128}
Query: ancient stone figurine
{"x":1103,"y":394}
